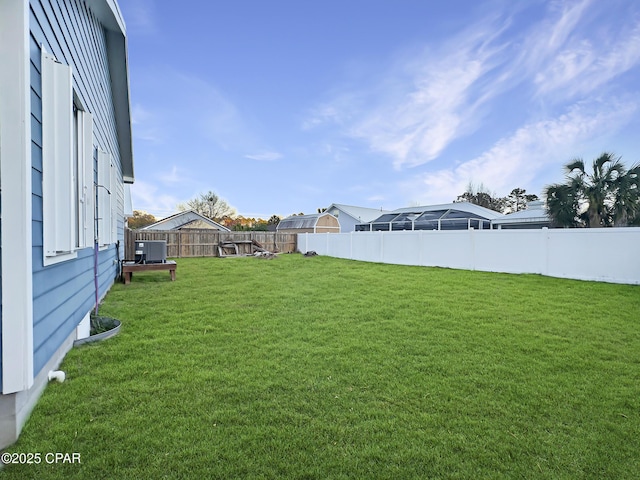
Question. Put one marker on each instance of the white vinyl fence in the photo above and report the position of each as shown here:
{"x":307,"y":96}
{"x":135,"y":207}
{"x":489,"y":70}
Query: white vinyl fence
{"x":600,"y":254}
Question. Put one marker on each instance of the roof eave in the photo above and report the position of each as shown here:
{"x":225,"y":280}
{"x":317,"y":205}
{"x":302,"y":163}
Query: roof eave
{"x":118,"y":67}
{"x":199,"y":217}
{"x":110,"y":16}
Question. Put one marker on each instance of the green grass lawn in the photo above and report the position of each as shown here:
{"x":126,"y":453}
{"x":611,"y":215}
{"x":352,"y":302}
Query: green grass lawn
{"x":321,"y":368}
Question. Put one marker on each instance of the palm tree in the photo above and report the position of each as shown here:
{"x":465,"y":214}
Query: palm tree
{"x":627,"y":203}
{"x":562,"y":206}
{"x":609,"y":196}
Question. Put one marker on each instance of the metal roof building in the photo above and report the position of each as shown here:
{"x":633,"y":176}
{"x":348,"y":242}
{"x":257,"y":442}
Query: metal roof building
{"x":349,"y":216}
{"x":534,"y":216}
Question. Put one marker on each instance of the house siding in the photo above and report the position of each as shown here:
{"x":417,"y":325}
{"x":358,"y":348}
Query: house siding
{"x":347,"y":223}
{"x":64,"y":292}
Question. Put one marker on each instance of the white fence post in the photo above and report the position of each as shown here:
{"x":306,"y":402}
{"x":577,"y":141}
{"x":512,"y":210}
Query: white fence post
{"x":472,"y":248}
{"x":544,"y":244}
{"x":351,"y":246}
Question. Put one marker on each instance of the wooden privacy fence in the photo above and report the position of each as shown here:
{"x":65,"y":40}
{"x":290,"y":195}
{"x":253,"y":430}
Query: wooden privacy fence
{"x":204,"y":243}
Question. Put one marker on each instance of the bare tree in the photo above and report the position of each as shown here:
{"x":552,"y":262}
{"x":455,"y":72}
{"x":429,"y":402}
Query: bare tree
{"x":210,"y":205}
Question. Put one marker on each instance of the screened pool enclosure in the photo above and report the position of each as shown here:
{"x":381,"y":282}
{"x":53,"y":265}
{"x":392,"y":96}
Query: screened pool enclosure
{"x":454,"y":216}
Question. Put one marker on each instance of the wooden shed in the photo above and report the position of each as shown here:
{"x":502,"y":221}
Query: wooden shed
{"x":314,"y":223}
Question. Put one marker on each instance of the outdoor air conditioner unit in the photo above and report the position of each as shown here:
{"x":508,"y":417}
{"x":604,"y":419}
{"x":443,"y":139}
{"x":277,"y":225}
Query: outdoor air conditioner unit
{"x":151,"y":251}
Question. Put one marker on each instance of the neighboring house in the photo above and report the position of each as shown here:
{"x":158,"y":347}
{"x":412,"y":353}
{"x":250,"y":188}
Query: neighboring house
{"x":65,"y":127}
{"x":314,"y":223}
{"x":534,"y":216}
{"x":186,"y":220}
{"x":449,"y":216}
{"x":349,"y":216}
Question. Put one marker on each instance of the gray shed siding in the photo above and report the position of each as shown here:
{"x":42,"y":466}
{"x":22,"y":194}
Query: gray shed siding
{"x":63,"y":293}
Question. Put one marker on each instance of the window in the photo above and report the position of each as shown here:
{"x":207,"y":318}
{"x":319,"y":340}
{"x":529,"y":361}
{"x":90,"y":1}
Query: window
{"x":83,"y":167}
{"x":57,"y":159}
{"x":114,"y":203}
{"x":67,"y":165}
{"x":106,"y":199}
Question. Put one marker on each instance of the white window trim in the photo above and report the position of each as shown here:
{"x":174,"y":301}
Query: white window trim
{"x":114,"y":203}
{"x":59,"y":257}
{"x":86,"y":209}
{"x":105,"y":192}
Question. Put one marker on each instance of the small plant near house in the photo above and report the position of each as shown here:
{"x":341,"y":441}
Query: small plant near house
{"x":100,"y":324}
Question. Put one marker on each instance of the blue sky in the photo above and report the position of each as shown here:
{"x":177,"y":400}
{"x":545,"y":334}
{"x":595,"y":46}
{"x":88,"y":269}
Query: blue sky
{"x":286,"y":106}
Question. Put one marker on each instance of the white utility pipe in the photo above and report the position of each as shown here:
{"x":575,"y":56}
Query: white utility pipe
{"x":58,"y":375}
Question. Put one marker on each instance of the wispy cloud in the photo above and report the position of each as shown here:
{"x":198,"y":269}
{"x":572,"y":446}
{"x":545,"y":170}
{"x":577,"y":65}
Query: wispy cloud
{"x":429,"y":100}
{"x":193,"y":111}
{"x":138,"y":114}
{"x":149,"y":198}
{"x":187,"y":137}
{"x":264,"y":156}
{"x":145,"y":125}
{"x":516,"y":160}
{"x":426,"y":101}
{"x":575,"y":53}
{"x":441,"y":99}
{"x":174,"y":176}
{"x":376,"y":198}
{"x":328,"y":113}
{"x":141,"y":18}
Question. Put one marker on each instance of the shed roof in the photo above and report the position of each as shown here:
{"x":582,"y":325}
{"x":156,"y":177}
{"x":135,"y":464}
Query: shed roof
{"x":182,"y":219}
{"x":360,"y":214}
{"x":301,"y":221}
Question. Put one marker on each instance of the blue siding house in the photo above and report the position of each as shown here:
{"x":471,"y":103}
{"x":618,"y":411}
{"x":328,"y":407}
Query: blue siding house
{"x":65,"y":167}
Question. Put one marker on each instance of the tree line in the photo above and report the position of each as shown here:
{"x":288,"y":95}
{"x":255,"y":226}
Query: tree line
{"x":516,"y":201}
{"x":214,"y":208}
{"x":607,"y":196}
